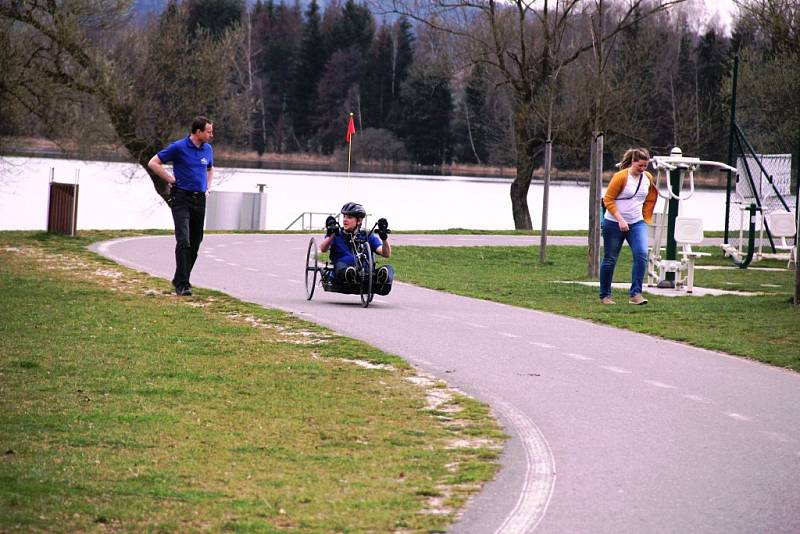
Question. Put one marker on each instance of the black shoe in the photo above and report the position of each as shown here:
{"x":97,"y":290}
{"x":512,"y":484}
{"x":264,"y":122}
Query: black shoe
{"x":383,"y":275}
{"x":350,"y":275}
{"x":184,"y":291}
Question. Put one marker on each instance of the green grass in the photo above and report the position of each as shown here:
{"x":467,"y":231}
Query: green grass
{"x":765,"y":328}
{"x":125,"y":408}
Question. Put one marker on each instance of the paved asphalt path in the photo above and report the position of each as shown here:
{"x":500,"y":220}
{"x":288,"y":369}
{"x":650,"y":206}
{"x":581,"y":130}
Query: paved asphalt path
{"x":611,"y":431}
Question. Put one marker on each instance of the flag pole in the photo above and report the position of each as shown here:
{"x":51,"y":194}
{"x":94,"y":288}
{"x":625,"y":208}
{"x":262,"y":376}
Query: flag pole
{"x":350,"y":131}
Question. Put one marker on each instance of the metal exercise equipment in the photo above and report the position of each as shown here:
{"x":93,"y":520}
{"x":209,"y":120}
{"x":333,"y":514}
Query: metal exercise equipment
{"x":760,"y":189}
{"x":669,"y":271}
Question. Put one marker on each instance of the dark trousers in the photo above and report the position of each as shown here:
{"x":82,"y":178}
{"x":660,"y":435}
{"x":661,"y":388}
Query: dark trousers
{"x":380,"y":288}
{"x":188,"y":213}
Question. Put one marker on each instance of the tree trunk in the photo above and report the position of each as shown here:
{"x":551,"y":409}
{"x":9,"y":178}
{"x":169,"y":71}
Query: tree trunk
{"x":521,"y":184}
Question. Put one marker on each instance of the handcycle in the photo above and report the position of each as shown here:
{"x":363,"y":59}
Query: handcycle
{"x":366,"y":272}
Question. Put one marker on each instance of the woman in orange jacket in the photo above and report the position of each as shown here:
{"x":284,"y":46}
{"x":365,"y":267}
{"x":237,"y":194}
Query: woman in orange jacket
{"x":629,"y":201}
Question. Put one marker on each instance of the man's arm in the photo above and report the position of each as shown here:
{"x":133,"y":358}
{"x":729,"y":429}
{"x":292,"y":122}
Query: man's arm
{"x":385,"y":249}
{"x":325,"y":244}
{"x":209,"y":179}
{"x":331,"y":228}
{"x":157,"y":167}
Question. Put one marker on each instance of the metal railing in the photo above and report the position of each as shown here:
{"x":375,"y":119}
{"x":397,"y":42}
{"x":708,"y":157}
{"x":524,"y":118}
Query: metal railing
{"x":306,"y":220}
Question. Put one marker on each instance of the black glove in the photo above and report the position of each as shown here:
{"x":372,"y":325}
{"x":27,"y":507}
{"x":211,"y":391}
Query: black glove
{"x":331,"y":226}
{"x":383,"y":229}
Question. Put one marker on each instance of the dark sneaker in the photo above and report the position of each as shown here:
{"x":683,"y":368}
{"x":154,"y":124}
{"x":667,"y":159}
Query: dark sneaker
{"x":637,"y":299}
{"x":350,"y":275}
{"x":383,"y":275}
{"x":184,"y":291}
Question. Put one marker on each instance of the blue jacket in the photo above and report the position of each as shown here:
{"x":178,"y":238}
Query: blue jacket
{"x":340,"y":251}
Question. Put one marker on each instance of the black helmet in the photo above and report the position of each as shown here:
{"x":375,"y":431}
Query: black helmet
{"x":354,"y":209}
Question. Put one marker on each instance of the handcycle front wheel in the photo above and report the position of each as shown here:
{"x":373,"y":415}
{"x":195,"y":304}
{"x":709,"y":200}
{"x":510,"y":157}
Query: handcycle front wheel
{"x":312,"y":268}
{"x":367,"y":288}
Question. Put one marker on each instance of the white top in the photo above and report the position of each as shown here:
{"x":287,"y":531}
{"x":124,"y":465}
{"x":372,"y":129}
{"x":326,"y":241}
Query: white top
{"x":631,"y":208}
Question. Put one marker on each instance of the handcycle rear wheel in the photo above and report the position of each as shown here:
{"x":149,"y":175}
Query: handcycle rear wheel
{"x":312,"y":268}
{"x":367,"y":288}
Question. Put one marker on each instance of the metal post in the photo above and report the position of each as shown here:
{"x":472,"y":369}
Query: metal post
{"x":731,"y":135}
{"x":259,"y":217}
{"x":672,"y":246}
{"x":595,"y":189}
{"x":548,"y":154}
{"x":797,"y":224}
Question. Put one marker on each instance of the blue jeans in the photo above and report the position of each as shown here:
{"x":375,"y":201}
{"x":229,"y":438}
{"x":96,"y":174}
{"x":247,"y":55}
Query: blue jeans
{"x":613,"y":237}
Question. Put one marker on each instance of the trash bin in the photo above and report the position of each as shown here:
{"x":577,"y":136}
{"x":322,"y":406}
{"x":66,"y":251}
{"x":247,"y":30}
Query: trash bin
{"x":62,"y":208}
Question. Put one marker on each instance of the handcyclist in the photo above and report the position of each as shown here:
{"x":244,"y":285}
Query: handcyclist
{"x":339,"y":241}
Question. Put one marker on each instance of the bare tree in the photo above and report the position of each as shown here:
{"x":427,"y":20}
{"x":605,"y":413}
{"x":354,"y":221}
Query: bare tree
{"x":143,"y":85}
{"x":523,"y":41}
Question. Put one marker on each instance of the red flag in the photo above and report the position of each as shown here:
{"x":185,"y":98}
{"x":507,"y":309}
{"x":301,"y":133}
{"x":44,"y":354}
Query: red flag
{"x":351,"y":129}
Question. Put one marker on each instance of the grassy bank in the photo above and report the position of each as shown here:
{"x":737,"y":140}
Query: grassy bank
{"x":125,"y":408}
{"x":765,"y":327}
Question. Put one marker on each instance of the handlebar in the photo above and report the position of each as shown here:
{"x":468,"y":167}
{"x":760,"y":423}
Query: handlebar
{"x":672,"y":163}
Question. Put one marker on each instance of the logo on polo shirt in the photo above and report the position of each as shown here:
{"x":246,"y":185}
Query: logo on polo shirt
{"x":204,"y":161}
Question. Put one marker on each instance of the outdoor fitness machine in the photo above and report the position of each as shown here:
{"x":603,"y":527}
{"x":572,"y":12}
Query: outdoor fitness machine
{"x":668,"y":272}
{"x":761,"y":193}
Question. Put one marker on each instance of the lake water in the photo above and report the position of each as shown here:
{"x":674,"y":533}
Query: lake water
{"x":116,"y":196}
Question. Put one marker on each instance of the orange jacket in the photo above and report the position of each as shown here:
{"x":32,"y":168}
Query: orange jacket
{"x":617,"y":184}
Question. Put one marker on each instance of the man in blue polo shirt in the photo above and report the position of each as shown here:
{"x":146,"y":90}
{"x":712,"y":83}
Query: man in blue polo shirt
{"x":192,"y":171}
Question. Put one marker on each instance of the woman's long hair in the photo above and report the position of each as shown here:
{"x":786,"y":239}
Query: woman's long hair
{"x":631,"y":155}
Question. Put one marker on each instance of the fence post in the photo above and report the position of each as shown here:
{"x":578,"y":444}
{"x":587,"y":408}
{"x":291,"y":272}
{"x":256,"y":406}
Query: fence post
{"x":595,"y":188}
{"x":548,"y":158}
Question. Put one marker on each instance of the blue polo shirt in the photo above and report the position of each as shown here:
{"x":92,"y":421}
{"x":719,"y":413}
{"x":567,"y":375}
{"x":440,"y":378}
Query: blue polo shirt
{"x":340,"y":251}
{"x":190,"y":164}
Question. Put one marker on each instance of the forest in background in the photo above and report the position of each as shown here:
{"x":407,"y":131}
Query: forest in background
{"x":429,"y":83}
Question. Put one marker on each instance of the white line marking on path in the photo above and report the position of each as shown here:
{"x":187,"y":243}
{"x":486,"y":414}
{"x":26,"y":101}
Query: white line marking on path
{"x":475,"y":325}
{"x":507,"y":334}
{"x":295,"y":281}
{"x":219,"y":260}
{"x":578,"y":356}
{"x":540,"y":473}
{"x":272,"y":275}
{"x":251,"y":269}
{"x":658,"y":384}
{"x":696,"y":398}
{"x":738,"y":416}
{"x":776,"y":436}
{"x":440,"y":316}
{"x":543,"y":345}
{"x":618,"y":370}
{"x":233,"y":264}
